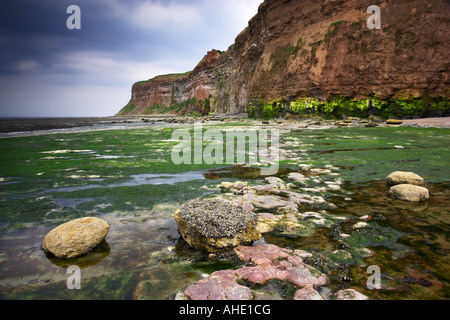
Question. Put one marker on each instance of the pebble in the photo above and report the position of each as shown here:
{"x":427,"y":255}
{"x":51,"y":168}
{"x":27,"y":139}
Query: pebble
{"x":360,"y":225}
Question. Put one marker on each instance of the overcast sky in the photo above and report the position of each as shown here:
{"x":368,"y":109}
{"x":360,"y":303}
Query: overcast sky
{"x":48,"y":70}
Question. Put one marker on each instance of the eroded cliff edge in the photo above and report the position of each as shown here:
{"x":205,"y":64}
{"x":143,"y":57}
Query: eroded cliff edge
{"x":318,"y":56}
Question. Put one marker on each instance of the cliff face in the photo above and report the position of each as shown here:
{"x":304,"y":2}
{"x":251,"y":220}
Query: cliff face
{"x":317,"y":50}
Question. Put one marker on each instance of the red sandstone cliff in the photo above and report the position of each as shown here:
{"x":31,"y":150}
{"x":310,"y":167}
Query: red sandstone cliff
{"x":307,"y":48}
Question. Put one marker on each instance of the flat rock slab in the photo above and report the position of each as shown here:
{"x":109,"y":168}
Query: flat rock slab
{"x":273,"y":262}
{"x":76,"y":237}
{"x":221,"y":285}
{"x":349,"y":294}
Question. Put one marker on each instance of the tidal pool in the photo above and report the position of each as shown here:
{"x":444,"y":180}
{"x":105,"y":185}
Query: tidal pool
{"x":138,"y":191}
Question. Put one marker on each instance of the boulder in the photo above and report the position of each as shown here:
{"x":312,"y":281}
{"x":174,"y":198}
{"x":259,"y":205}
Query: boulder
{"x":214,"y":225}
{"x":409,"y":192}
{"x":76,"y":237}
{"x":401,"y":177}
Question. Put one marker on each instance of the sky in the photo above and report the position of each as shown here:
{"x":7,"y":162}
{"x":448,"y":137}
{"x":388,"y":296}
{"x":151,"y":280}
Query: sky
{"x":49,"y":70}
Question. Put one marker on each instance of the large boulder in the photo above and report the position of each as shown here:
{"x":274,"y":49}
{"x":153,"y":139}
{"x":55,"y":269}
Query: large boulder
{"x":76,"y":237}
{"x":401,"y":177}
{"x":409,"y":192}
{"x":215,"y":225}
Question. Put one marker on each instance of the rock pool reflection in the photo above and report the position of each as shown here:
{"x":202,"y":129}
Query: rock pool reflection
{"x":90,"y":259}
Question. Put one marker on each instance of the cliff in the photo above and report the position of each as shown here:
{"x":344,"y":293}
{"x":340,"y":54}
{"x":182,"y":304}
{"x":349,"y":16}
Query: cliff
{"x":318,"y":56}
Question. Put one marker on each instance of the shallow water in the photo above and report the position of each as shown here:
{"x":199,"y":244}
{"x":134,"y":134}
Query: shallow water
{"x":140,"y":180}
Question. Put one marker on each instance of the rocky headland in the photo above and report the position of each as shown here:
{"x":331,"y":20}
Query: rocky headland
{"x":307,"y":57}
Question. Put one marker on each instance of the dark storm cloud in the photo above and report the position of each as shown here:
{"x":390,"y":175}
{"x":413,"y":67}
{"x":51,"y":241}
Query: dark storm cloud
{"x":36,"y":31}
{"x":47,"y":69}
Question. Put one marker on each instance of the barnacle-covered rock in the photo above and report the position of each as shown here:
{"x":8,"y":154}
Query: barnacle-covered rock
{"x":214,"y":225}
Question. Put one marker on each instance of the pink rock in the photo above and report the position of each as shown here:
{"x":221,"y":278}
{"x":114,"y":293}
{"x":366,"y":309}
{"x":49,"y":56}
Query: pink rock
{"x":268,"y":216}
{"x":221,"y":285}
{"x":350,"y":294}
{"x":307,"y":293}
{"x":247,"y":206}
{"x":273,"y":262}
{"x":269,"y":202}
{"x":268,"y":251}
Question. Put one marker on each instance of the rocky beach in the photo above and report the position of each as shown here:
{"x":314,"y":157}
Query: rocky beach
{"x":315,"y":226}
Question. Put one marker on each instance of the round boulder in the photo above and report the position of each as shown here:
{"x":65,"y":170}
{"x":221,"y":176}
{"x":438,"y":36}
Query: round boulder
{"x":76,"y":237}
{"x":401,"y":177}
{"x":409,"y":192}
{"x":214,"y":225}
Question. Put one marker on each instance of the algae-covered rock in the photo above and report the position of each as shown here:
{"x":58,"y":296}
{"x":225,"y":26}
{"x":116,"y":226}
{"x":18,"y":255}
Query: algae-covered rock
{"x":409,"y":192}
{"x":76,"y":237}
{"x":401,"y":177}
{"x":214,"y":225}
{"x":394,"y":122}
{"x":350,"y":294}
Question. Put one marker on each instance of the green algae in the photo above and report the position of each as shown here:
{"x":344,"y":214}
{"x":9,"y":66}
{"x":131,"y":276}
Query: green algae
{"x":371,"y":153}
{"x":339,"y":107}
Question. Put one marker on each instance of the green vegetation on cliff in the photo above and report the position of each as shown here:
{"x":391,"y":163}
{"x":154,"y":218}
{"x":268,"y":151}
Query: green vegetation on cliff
{"x":339,"y":107}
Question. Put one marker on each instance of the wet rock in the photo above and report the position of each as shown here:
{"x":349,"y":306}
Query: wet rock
{"x":342,"y":255}
{"x":214,"y":225}
{"x":295,"y":176}
{"x":320,"y":171}
{"x":401,"y":177}
{"x":290,"y":208}
{"x":288,"y":222}
{"x":394,"y":122}
{"x":360,"y":225}
{"x":76,"y":237}
{"x":240,"y":185}
{"x":307,"y":293}
{"x":221,"y":285}
{"x":273,"y":262}
{"x":226,"y":185}
{"x":276,"y":183}
{"x":350,"y":294}
{"x":409,"y":192}
{"x":267,"y":202}
{"x":424,"y":282}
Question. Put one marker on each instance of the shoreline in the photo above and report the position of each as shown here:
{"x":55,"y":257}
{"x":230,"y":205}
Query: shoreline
{"x":17,"y":127}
